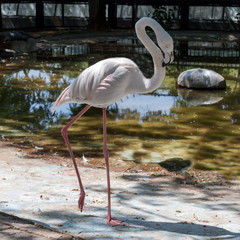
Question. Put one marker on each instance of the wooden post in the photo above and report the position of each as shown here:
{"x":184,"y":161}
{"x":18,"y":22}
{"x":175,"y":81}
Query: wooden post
{"x":1,"y":25}
{"x":97,"y":15}
{"x":134,"y":14}
{"x":39,"y":14}
{"x":112,"y":14}
{"x":184,"y":16}
{"x":63,"y":24}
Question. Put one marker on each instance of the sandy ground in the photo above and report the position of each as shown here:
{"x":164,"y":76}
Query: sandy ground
{"x":153,"y":205}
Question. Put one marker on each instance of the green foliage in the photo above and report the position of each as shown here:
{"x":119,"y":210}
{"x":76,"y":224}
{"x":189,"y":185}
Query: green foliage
{"x":165,"y":15}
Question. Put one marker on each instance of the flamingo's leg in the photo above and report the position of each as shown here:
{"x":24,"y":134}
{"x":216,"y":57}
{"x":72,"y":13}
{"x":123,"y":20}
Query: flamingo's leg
{"x":65,"y":136}
{"x":110,"y":220}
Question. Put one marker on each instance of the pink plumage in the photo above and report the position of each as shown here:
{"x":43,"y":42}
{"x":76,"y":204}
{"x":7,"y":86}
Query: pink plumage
{"x":108,"y":81}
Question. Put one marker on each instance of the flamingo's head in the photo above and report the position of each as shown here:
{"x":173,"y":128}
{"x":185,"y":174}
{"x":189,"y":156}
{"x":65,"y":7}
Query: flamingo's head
{"x":164,"y":40}
{"x":166,"y":47}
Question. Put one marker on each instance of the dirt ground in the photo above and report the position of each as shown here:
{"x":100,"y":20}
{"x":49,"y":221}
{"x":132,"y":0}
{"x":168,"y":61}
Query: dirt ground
{"x":39,"y":201}
{"x":12,"y":227}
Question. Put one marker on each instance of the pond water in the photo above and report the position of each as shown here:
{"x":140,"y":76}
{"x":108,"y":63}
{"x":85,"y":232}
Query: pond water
{"x":200,"y":127}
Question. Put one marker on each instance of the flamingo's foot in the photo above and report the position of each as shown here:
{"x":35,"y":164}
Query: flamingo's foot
{"x":81,"y":201}
{"x":114,"y":222}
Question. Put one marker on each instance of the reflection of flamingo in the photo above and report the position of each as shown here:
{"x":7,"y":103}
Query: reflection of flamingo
{"x":109,"y":80}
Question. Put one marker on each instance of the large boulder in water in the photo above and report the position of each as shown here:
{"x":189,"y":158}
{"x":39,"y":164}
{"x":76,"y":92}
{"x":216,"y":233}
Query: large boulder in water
{"x":199,"y":78}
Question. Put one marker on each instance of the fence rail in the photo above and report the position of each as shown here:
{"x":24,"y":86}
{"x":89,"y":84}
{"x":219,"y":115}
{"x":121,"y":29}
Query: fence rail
{"x":191,"y":54}
{"x":176,"y":14}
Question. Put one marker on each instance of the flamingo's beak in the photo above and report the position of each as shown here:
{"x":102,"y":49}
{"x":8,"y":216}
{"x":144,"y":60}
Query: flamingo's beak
{"x":170,"y":56}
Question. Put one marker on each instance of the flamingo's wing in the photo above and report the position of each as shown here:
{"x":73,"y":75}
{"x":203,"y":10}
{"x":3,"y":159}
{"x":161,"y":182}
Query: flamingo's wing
{"x":112,"y":87}
{"x":101,"y":84}
{"x":89,"y":80}
{"x":62,"y":99}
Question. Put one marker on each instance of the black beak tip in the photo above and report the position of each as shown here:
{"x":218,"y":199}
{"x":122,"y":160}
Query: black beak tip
{"x":165,"y":64}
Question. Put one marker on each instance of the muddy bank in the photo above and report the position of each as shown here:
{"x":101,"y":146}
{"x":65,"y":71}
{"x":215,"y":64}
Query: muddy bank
{"x":174,"y":167}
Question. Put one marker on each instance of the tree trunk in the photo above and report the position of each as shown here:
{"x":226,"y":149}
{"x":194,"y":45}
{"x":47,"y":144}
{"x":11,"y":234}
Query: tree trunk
{"x":97,"y":16}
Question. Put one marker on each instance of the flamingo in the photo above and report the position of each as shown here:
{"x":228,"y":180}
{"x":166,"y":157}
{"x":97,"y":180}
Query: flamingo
{"x":109,"y":80}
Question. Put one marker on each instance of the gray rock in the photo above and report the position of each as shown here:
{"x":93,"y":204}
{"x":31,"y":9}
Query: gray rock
{"x":200,"y":78}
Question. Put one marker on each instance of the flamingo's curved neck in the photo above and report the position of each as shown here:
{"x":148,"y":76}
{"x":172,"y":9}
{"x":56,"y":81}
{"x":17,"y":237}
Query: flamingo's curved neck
{"x":157,"y":56}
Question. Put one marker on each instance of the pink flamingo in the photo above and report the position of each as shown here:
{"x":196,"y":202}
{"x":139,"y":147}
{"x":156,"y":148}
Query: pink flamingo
{"x":108,"y":81}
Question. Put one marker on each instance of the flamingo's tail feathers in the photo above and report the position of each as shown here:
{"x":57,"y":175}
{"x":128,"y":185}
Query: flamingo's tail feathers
{"x":63,"y":98}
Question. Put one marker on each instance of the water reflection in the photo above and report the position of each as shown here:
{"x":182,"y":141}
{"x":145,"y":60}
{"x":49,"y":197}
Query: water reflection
{"x":200,"y":97}
{"x":143,"y":104}
{"x":170,"y":123}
